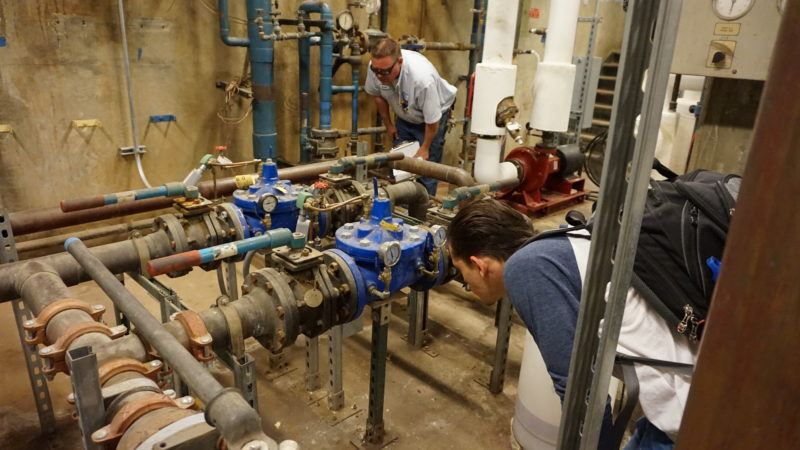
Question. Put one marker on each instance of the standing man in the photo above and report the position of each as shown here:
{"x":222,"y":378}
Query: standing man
{"x":543,"y":280}
{"x":420,"y":98}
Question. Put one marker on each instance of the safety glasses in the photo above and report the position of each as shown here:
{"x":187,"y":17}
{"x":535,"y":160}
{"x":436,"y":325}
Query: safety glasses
{"x":383,"y":72}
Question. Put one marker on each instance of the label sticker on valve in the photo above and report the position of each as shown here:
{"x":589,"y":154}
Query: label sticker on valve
{"x":225,"y":251}
{"x":127,"y":196}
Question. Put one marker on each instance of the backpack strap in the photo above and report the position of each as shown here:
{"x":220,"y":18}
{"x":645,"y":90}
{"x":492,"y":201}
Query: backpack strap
{"x":622,"y":359}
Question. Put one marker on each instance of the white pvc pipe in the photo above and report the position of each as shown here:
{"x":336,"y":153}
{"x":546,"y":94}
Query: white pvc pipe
{"x":488,"y":167}
{"x":561,"y":25}
{"x":555,"y":74}
{"x":501,"y":25}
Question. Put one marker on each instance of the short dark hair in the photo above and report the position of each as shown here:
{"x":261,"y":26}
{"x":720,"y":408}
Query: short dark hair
{"x":386,"y":47}
{"x":487,"y":228}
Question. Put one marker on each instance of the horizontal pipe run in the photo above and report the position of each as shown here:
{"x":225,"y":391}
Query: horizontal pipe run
{"x":363,"y":131}
{"x":34,"y":220}
{"x":348,"y":162}
{"x":441,"y":172}
{"x":93,"y":233}
{"x":460,"y":194}
{"x":181,"y":261}
{"x":119,"y":257}
{"x":225,"y":409}
{"x":444,"y":46}
{"x":166,"y":190}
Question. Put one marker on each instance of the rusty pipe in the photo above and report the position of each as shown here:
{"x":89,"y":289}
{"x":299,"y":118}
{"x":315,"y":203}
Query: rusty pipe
{"x":34,"y":220}
{"x":412,"y":194}
{"x":120,"y":257}
{"x":441,"y":172}
{"x":94,"y":233}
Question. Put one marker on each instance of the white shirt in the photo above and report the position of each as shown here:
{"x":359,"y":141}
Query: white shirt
{"x":419,"y":95}
{"x":662,"y":391}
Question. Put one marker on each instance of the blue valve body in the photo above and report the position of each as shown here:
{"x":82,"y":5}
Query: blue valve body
{"x":285,"y":213}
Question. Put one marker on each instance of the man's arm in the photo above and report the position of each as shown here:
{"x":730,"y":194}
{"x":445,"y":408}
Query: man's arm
{"x":383,"y":110}
{"x":430,"y":133}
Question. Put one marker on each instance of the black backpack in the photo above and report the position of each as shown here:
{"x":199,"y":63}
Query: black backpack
{"x":680,"y":247}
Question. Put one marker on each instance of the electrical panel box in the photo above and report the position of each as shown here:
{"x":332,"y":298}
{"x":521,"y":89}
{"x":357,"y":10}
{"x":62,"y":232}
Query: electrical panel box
{"x":727,"y":38}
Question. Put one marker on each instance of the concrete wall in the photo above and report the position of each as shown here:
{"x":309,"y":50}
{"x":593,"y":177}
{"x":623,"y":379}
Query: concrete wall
{"x":63,"y":61}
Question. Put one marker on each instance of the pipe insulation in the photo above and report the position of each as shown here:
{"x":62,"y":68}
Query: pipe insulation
{"x":555,"y":74}
{"x":488,"y":168}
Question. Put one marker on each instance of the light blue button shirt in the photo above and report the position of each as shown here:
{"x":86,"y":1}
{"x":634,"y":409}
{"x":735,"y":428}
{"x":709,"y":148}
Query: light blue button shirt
{"x":420,"y":95}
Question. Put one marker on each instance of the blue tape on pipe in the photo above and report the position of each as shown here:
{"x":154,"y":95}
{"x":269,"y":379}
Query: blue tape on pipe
{"x":69,"y":242}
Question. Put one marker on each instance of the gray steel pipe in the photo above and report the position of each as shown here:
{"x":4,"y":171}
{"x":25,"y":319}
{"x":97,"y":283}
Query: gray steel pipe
{"x":48,"y":243}
{"x":412,"y":194}
{"x":226,"y":409}
{"x":119,"y":257}
{"x":441,"y":172}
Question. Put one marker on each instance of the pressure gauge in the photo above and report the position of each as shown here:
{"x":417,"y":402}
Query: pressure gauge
{"x":372,"y":6}
{"x":345,"y":21}
{"x":390,"y":253}
{"x":268,"y":203}
{"x":439,"y":235}
{"x":731,"y":9}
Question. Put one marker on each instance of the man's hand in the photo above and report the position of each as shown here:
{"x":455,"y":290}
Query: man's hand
{"x":422,"y":153}
{"x":391,"y":132}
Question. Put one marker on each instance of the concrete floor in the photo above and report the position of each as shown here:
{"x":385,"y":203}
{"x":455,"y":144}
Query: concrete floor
{"x":434,"y":398}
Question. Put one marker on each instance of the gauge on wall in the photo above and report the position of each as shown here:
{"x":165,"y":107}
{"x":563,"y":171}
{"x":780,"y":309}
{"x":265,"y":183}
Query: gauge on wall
{"x":439,"y":235}
{"x":731,"y":9}
{"x":345,"y":21}
{"x":390,"y":253}
{"x":268,"y":203}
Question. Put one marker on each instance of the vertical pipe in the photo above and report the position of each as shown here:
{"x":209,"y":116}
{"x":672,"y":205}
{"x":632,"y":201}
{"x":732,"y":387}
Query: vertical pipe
{"x":304,"y":56}
{"x":325,"y":59}
{"x":355,"y":52}
{"x":225,"y":29}
{"x":476,"y":41}
{"x":261,"y":58}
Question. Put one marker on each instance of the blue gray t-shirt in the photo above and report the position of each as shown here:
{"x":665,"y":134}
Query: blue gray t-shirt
{"x":543,"y":283}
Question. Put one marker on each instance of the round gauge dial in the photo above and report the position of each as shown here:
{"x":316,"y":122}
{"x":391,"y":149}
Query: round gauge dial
{"x":372,"y":6}
{"x":439,"y":235}
{"x":390,"y":253}
{"x":268,"y":203}
{"x":345,"y":21}
{"x":731,"y":9}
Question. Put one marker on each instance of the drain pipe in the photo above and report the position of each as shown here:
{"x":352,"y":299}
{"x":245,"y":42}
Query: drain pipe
{"x":495,"y":79}
{"x":225,"y":409}
{"x":129,"y":85}
{"x":327,"y":142}
{"x":259,"y":20}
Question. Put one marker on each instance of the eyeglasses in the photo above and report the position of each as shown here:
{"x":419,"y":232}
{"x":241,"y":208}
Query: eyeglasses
{"x":383,"y":72}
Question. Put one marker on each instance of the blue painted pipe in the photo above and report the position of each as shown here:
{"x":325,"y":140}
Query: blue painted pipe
{"x":304,"y":56}
{"x":224,"y":27}
{"x":326,"y":59}
{"x":265,"y":142}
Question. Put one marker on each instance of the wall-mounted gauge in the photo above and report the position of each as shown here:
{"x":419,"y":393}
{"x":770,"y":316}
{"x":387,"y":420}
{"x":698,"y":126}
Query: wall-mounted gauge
{"x":439,"y":235}
{"x":390,"y":253}
{"x":731,"y":9}
{"x":345,"y":21}
{"x":268,"y":203}
{"x":372,"y":6}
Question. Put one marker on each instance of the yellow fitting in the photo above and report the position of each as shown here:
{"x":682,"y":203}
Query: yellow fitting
{"x":245,"y":181}
{"x":389,"y":226}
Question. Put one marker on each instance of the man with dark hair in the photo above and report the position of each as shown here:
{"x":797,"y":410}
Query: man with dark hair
{"x":419,"y":97}
{"x":543,"y":280}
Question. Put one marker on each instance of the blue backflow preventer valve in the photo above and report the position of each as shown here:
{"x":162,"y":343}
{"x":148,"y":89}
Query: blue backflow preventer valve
{"x":385,"y":255}
{"x":269,"y":203}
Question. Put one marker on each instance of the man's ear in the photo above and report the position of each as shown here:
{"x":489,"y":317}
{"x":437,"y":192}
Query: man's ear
{"x":480,"y":263}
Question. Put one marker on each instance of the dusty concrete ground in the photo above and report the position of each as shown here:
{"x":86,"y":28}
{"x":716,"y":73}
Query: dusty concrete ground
{"x":434,"y":398}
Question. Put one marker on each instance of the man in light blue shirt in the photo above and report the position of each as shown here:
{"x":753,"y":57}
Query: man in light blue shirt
{"x":421,"y":99}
